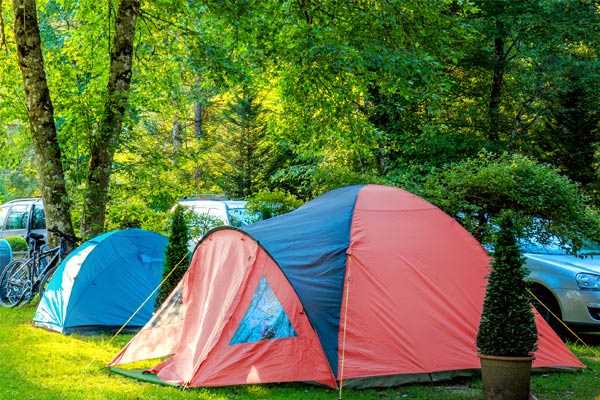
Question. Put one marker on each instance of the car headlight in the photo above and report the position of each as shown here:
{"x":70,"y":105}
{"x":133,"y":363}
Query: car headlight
{"x":588,"y":281}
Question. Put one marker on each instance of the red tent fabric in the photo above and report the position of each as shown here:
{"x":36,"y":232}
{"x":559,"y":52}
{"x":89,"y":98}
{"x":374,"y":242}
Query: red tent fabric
{"x":408,"y":306}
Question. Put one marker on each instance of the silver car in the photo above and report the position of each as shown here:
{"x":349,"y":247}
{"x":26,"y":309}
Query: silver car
{"x":568,"y":285}
{"x":18,"y":217}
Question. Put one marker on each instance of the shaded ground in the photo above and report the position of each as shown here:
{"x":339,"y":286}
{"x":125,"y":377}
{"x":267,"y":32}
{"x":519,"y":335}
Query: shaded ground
{"x":37,"y":364}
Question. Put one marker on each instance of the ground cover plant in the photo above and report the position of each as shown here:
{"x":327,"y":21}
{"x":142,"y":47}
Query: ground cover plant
{"x":37,"y":364}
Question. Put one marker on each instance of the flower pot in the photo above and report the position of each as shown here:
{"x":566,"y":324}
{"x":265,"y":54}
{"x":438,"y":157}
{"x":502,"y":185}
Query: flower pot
{"x":506,"y":378}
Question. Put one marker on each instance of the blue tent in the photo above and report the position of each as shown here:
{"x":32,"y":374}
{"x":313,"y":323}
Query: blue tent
{"x":5,"y":254}
{"x":103,"y":282}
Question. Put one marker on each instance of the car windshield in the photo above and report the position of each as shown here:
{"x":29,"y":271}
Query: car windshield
{"x":554,"y":248}
{"x":239,"y":216}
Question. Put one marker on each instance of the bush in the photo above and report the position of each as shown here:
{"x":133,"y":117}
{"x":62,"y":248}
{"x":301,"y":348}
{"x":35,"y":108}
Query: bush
{"x":177,"y":250}
{"x":17,"y":243}
{"x":134,"y":213}
{"x":271,"y":204}
{"x":507,"y":326}
{"x":545,"y":204}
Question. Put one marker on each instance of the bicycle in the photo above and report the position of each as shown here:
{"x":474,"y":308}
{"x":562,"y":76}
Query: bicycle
{"x":23,"y":279}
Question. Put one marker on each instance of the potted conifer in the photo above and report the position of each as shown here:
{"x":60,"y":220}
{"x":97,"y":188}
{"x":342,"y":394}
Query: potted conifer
{"x":507,"y":333}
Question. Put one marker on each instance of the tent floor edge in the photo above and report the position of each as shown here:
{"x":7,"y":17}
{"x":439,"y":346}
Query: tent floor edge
{"x":93,"y":330}
{"x":141,"y":375}
{"x":48,"y":327}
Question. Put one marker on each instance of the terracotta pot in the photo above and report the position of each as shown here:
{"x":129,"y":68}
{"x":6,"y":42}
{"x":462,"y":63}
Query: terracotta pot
{"x":506,"y":378}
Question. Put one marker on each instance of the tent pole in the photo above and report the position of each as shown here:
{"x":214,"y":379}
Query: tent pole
{"x":344,"y":327}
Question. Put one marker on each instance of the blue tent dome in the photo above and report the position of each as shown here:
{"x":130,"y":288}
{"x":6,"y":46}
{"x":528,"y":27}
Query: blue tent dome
{"x":103,"y":282}
{"x":5,"y":254}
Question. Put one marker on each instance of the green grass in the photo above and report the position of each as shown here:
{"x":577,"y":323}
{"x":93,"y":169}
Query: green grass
{"x":36,"y":364}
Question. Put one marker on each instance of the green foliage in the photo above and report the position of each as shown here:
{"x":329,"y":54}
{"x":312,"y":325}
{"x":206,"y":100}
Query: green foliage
{"x":135,"y":213}
{"x":200,"y":224}
{"x":543,"y":201}
{"x":507,"y":326}
{"x":177,"y":254}
{"x":17,"y":243}
{"x":271,"y":204}
{"x":304,"y":97}
{"x":243,"y":146}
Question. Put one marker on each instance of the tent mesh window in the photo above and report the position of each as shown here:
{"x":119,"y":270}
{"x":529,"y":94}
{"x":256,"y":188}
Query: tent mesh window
{"x":265,"y":318}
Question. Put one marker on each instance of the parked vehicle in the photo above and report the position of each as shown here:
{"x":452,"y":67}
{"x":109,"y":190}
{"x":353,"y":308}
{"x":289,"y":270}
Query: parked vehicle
{"x":21,"y":216}
{"x":212,"y":211}
{"x":568,"y":285}
{"x":229,"y":212}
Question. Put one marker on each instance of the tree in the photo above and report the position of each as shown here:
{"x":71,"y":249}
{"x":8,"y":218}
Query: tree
{"x":569,"y":132}
{"x":105,"y":141}
{"x":507,"y":326}
{"x":244,"y":147}
{"x":176,"y":254}
{"x":41,"y":116}
{"x":544,"y":203}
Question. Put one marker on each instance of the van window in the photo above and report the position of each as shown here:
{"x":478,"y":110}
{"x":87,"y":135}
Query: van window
{"x":17,"y":217}
{"x":38,"y":218}
{"x":3,"y":211}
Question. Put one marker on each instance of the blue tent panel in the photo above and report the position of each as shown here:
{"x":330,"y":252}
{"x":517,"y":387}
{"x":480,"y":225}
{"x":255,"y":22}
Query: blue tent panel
{"x":265,"y":318}
{"x":309,"y":244}
{"x":103,"y":282}
{"x":5,"y":254}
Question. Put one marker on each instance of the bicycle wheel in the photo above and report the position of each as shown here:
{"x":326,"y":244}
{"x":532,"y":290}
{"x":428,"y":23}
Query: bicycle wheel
{"x":4,"y":280}
{"x":15,"y":284}
{"x":45,"y":280}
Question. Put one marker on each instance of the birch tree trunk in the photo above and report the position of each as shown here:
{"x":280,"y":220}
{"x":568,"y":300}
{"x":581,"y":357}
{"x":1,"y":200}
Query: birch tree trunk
{"x":41,"y":116}
{"x":106,"y":139}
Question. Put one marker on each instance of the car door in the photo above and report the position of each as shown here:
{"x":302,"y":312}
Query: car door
{"x":17,"y":220}
{"x":38,"y":221}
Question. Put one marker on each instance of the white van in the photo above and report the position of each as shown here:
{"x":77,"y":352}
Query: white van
{"x":21,"y":216}
{"x":215,"y":211}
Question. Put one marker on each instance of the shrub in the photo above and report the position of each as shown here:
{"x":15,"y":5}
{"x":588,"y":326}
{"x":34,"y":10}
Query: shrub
{"x":507,"y":326}
{"x":134,"y":213}
{"x":545,"y":204}
{"x":177,"y":249}
{"x":271,"y":204}
{"x":17,"y":243}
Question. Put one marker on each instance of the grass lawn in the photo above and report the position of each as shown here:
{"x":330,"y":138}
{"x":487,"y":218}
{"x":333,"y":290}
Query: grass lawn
{"x":36,"y":364}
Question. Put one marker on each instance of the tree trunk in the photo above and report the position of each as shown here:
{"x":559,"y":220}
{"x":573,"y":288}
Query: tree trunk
{"x":41,"y":116}
{"x":198,"y":120}
{"x":104,"y":142}
{"x":176,"y":135}
{"x":496,"y":90}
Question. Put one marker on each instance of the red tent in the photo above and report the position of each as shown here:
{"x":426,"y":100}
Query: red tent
{"x":367,"y":284}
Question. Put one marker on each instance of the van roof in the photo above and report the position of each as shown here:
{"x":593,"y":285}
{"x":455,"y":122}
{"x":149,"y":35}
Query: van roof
{"x":200,"y":202}
{"x":24,"y":200}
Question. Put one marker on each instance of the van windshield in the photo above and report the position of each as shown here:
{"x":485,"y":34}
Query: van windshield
{"x":240,"y":217}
